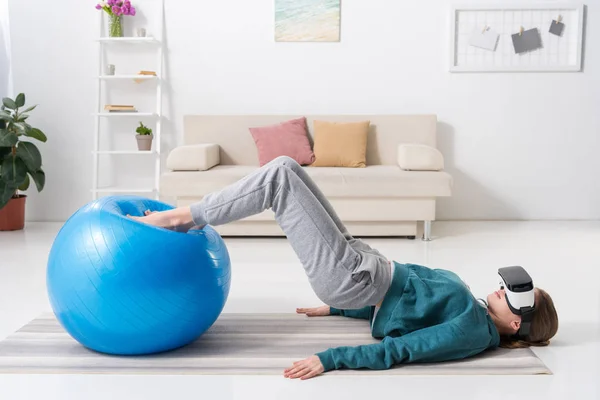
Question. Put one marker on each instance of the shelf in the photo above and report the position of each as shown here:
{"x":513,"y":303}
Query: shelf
{"x":127,"y":77}
{"x":126,"y":114}
{"x":132,"y":40}
{"x":125,"y":152}
{"x":128,"y":82}
{"x":123,"y":190}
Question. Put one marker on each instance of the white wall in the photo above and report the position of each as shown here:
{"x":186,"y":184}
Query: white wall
{"x":520,"y":146}
{"x":5,"y":64}
{"x":53,"y":63}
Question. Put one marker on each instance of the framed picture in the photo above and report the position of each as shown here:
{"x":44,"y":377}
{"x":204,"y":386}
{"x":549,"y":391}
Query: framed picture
{"x":307,"y":20}
{"x":523,"y":37}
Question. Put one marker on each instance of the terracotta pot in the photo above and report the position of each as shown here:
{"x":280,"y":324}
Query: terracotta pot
{"x":12,"y":216}
{"x":144,"y":142}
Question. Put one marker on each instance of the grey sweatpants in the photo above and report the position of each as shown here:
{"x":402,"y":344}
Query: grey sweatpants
{"x":344,"y":272}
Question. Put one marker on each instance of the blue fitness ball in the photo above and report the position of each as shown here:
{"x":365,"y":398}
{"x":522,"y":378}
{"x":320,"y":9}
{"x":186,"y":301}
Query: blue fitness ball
{"x":119,"y":286}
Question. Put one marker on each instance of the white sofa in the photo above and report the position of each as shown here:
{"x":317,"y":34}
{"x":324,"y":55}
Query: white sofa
{"x":398,"y":188}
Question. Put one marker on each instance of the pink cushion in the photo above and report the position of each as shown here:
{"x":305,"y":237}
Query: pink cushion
{"x":288,"y":138}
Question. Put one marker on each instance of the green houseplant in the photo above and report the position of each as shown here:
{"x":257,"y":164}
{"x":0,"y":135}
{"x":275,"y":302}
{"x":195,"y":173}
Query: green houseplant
{"x":20,"y":161}
{"x":144,"y":137}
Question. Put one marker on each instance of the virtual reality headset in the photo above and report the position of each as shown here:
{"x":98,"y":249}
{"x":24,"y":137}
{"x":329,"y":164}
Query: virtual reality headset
{"x":520,"y":296}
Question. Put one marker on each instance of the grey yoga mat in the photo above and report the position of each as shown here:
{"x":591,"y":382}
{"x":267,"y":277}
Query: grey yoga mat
{"x":237,"y":344}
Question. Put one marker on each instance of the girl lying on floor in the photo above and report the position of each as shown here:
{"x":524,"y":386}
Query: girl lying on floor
{"x":421,"y":314}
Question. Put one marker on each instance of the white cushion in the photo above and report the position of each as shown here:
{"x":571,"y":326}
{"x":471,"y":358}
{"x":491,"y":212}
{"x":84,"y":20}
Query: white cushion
{"x":194,"y":157}
{"x":373,"y":181}
{"x":419,"y":157}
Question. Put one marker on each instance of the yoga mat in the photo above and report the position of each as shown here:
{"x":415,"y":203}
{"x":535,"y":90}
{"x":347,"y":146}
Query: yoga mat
{"x":237,"y":344}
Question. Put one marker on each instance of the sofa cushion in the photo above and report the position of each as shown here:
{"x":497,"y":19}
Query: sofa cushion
{"x":288,"y":138}
{"x":341,"y":144}
{"x":419,"y":157}
{"x":371,"y":181}
{"x":193,"y":157}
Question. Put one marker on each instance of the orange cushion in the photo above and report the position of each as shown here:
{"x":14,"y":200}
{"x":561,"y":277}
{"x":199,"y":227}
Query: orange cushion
{"x":340,"y":144}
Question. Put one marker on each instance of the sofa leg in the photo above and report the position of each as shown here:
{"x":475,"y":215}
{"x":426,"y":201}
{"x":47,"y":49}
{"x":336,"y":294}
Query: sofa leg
{"x":427,"y":231}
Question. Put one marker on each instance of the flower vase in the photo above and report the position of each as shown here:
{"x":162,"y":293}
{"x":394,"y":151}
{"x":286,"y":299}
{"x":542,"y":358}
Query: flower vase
{"x":115,"y":26}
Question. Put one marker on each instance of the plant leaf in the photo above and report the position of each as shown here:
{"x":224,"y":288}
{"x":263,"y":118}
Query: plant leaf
{"x":21,"y":127}
{"x":39,"y":177}
{"x":30,"y":109}
{"x":37,"y":134}
{"x":6,"y":117}
{"x":22,"y":117}
{"x":7,"y":190}
{"x":14,"y":170}
{"x":9,"y":103}
{"x":25,"y":185}
{"x":7,"y":139}
{"x":29,"y":153}
{"x":4,"y":151}
{"x":20,"y":100}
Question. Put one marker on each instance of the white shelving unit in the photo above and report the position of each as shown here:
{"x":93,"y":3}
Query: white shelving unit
{"x":127,"y":114}
{"x":123,"y":190}
{"x":127,"y":77}
{"x":126,"y":152}
{"x":130,"y":40}
{"x":154,"y":44}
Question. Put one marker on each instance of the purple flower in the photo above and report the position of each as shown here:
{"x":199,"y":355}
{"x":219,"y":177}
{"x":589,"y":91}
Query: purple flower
{"x":111,"y":2}
{"x":132,"y":11}
{"x":128,"y":3}
{"x":116,"y":10}
{"x":98,"y":7}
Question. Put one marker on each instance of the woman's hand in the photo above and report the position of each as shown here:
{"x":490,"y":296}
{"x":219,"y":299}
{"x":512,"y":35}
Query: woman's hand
{"x":175,"y":219}
{"x":305,"y":369}
{"x":144,"y":219}
{"x":322,"y":311}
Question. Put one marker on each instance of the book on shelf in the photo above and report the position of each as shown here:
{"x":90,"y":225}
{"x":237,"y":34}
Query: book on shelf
{"x":144,"y":73}
{"x":119,"y":108}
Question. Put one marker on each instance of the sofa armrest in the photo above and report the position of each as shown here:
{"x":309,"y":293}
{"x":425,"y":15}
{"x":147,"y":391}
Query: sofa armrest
{"x":420,"y":157}
{"x":194,"y":157}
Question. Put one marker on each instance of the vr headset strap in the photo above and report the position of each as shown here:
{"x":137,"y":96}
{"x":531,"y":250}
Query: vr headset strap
{"x":526,"y":318}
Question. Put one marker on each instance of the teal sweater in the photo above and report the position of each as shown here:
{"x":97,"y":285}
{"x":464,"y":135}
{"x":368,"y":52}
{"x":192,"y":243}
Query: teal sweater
{"x":428,"y":315}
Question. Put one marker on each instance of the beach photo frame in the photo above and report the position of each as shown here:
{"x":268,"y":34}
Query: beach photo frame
{"x":307,"y":20}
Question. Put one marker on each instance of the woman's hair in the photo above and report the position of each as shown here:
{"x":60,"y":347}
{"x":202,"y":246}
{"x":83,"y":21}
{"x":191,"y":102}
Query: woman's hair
{"x":544,"y":324}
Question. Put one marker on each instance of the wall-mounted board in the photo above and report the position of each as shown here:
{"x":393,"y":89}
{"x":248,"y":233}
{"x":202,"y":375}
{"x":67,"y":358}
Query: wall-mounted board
{"x":520,"y":38}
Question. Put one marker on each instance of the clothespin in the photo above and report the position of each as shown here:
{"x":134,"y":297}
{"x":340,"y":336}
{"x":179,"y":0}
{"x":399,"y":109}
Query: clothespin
{"x":559,"y":19}
{"x":484,"y":29}
{"x":521,"y":31}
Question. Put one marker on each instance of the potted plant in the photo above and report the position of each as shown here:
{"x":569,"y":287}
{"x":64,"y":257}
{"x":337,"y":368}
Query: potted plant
{"x":20,"y":161}
{"x":115,"y":10}
{"x":144,"y":137}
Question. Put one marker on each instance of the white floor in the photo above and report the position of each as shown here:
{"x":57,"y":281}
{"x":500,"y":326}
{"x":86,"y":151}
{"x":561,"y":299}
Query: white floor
{"x":563,"y":258}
